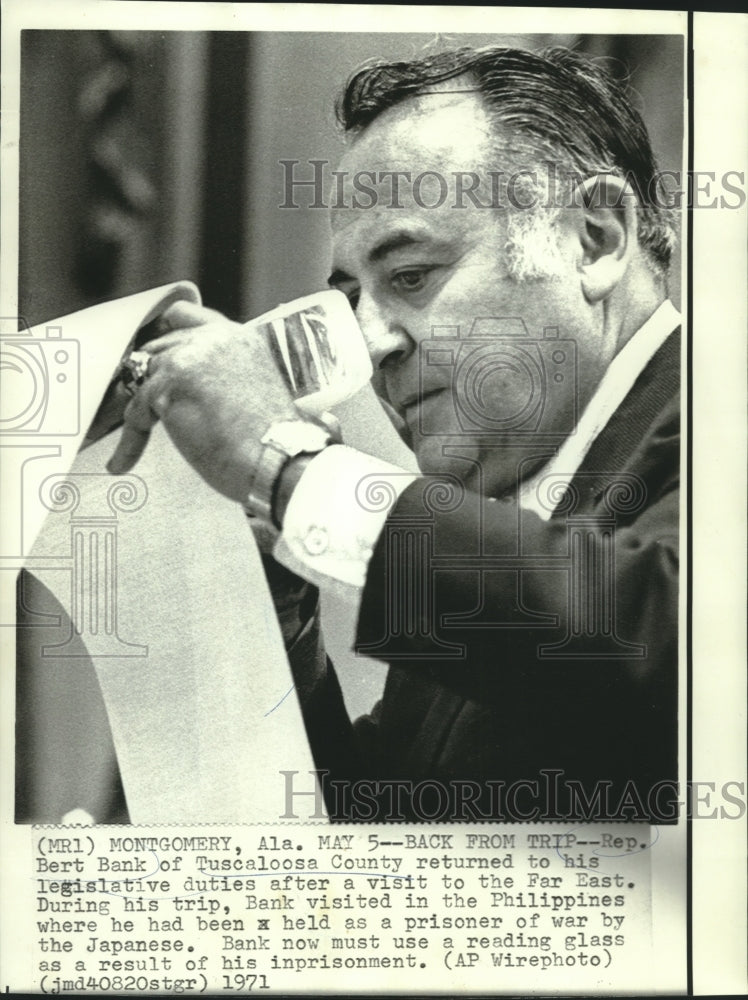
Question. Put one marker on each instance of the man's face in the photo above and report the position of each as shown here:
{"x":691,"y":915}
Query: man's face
{"x":417,"y":274}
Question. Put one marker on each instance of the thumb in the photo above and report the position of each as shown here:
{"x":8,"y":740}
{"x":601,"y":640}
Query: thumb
{"x":183,"y":315}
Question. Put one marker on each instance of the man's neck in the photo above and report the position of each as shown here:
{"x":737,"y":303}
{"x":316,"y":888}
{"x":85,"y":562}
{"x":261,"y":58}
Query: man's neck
{"x":632,"y":306}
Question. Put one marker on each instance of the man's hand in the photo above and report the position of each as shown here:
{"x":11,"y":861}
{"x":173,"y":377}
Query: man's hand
{"x":217,"y":389}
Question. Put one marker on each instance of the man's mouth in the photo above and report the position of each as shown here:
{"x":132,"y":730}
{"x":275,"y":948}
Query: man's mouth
{"x":412,"y":406}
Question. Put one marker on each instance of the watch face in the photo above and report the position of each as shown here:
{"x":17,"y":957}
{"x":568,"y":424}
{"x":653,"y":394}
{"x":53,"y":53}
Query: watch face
{"x":297,"y":436}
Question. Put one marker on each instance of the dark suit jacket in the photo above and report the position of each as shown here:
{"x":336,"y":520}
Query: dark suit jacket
{"x":482,"y":718}
{"x":540,"y":686}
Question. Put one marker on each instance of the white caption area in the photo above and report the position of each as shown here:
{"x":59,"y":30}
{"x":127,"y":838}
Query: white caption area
{"x":504,"y":908}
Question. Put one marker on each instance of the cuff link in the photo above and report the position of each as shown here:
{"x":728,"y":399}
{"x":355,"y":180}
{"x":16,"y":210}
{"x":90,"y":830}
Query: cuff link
{"x":316,"y":541}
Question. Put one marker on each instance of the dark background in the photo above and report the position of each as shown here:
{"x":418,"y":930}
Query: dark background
{"x":153,"y":156}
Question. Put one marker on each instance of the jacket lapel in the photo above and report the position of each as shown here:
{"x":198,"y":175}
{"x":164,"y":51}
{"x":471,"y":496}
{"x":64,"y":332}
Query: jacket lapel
{"x":654,"y":391}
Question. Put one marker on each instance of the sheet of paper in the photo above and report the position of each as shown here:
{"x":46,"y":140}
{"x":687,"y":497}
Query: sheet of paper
{"x":162,"y":581}
{"x":66,"y":364}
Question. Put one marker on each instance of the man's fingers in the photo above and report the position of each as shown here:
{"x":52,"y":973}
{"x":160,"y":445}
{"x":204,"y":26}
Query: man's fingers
{"x":184,"y":334}
{"x":183,"y":315}
{"x":131,"y":446}
{"x":178,"y":317}
{"x":140,"y":416}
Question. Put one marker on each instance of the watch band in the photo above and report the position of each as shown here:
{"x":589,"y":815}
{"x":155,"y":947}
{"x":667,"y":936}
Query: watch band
{"x":259,"y":501}
{"x":283,"y":441}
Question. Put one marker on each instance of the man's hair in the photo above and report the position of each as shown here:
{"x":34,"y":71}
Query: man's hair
{"x":554,"y":105}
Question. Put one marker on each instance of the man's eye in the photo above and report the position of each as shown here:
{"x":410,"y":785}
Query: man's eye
{"x":411,"y":280}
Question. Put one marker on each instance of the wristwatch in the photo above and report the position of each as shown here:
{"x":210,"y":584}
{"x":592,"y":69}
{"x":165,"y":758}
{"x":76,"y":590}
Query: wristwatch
{"x":284,"y":440}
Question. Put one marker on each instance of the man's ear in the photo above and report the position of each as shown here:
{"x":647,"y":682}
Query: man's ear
{"x":607,"y":224}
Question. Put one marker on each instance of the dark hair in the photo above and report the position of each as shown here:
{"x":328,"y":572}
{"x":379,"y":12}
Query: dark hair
{"x":555,"y":102}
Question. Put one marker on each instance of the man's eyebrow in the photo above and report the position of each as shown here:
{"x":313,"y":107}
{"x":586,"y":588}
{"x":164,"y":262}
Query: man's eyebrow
{"x":395,"y":241}
{"x":398,"y":240}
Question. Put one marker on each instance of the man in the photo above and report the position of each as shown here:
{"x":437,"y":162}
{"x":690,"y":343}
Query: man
{"x":524,"y":588}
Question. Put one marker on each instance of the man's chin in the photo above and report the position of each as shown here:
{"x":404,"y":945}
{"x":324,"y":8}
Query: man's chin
{"x":492,"y":472}
{"x":434,"y":458}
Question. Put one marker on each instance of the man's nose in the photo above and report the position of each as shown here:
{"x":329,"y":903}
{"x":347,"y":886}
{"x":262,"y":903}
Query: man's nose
{"x":385,"y":334}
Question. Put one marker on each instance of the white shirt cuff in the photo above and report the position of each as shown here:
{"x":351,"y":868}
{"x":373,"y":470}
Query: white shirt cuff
{"x":336,"y":514}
